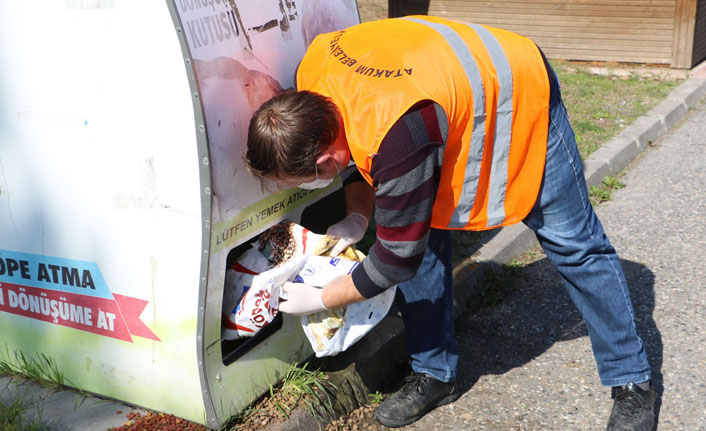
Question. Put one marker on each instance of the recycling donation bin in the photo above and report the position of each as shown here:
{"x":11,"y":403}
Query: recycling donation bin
{"x":124,"y":198}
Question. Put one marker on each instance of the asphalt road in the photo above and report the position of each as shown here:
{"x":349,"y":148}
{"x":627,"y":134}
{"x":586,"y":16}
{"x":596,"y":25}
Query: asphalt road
{"x":526,"y":362}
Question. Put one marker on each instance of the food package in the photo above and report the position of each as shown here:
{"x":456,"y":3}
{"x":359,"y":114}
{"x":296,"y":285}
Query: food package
{"x":239,"y":278}
{"x":332,"y":331}
{"x":248,"y":283}
{"x":251,"y":297}
{"x":287,"y":239}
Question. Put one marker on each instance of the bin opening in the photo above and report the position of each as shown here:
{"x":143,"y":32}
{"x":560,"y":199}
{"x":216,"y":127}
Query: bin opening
{"x":316,"y":217}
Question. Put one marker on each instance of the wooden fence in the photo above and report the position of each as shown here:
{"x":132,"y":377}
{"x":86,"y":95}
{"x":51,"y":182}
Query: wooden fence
{"x":670,"y":32}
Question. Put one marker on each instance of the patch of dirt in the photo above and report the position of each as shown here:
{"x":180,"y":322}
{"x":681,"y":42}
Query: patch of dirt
{"x":266,"y":412}
{"x":371,"y":10}
{"x":269,"y":410}
{"x":359,"y":420}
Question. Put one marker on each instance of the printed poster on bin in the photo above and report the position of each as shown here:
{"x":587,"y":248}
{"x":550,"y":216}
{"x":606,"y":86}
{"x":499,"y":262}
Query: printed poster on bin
{"x":69,"y":293}
{"x":244,"y":53}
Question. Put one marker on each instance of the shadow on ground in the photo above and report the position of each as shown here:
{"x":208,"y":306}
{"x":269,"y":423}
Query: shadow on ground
{"x":534,"y":313}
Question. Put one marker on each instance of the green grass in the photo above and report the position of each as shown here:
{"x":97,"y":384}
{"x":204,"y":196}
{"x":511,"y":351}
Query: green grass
{"x":12,"y":417}
{"x":40,"y":368}
{"x":601,"y":106}
{"x":522,"y":260}
{"x":300,"y":386}
{"x":375,"y":398}
{"x":604,"y":192}
{"x":308,"y":386}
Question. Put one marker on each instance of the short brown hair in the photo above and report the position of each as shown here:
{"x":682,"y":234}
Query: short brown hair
{"x":288,"y":132}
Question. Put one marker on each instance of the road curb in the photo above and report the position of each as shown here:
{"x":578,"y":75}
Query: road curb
{"x":375,"y":361}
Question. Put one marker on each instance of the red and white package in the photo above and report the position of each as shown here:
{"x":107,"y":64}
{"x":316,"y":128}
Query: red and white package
{"x":259,"y":303}
{"x":239,"y":278}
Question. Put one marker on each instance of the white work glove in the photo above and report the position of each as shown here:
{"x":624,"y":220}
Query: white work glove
{"x":349,"y":231}
{"x":300,"y":299}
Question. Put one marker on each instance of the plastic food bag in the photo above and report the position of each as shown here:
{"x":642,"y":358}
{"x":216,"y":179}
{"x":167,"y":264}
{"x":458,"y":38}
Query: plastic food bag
{"x":260,"y":303}
{"x":333,"y":331}
{"x":238,"y":281}
{"x":257,"y":293}
{"x":241,"y":313}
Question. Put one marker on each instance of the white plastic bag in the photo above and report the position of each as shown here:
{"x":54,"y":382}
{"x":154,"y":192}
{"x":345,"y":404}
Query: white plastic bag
{"x":332,"y":331}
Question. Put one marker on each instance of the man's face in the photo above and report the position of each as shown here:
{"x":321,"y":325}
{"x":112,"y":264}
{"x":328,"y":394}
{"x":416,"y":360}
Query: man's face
{"x":326,"y":169}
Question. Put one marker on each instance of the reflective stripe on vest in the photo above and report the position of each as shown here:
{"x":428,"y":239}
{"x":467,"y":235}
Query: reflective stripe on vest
{"x":503,"y":125}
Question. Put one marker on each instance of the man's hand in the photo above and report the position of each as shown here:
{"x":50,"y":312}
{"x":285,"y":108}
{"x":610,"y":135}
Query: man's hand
{"x":349,"y":231}
{"x":300,"y":299}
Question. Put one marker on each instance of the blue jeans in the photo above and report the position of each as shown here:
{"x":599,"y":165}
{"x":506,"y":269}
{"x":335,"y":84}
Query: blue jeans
{"x":574,"y":241}
{"x":427,"y":307}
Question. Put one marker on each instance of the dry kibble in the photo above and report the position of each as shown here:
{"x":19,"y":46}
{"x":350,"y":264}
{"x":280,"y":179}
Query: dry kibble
{"x":157,"y":422}
{"x":281,"y":241}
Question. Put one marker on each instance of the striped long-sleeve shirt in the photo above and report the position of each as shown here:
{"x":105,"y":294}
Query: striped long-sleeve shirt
{"x":406,"y":172}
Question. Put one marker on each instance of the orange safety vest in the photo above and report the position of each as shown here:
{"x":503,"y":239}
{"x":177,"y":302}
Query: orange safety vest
{"x":491,"y":83}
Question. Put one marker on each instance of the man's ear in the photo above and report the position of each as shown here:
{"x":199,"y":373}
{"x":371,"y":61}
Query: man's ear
{"x":323,"y":158}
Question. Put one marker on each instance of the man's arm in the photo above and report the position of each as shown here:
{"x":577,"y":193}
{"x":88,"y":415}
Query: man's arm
{"x":340,"y":292}
{"x":360,"y":198}
{"x":406,"y":171}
